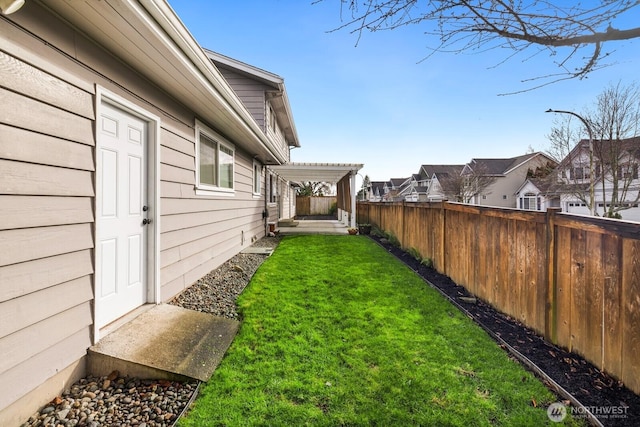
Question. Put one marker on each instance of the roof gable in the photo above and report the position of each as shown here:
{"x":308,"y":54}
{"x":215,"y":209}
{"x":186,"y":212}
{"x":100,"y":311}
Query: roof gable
{"x":269,"y":84}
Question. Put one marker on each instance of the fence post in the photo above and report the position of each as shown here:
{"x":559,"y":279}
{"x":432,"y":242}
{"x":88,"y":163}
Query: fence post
{"x":403,"y":243}
{"x":443,"y":238}
{"x":551,"y":309}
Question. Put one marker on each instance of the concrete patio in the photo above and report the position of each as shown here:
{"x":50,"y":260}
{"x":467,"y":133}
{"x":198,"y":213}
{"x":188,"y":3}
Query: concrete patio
{"x":309,"y":226}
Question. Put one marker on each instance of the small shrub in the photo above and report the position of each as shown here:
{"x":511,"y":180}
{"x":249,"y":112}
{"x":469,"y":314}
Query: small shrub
{"x":376,"y":231}
{"x":333,"y":208}
{"x":427,"y":262}
{"x":415,"y":254}
{"x":393,"y":239}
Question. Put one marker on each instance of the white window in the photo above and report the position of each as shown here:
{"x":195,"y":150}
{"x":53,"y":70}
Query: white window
{"x":530,"y":202}
{"x":272,"y":119}
{"x":257,"y":178}
{"x":579,"y":173}
{"x":273,"y":196}
{"x":215,"y":160}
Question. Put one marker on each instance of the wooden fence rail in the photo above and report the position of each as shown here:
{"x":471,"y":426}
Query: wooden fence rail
{"x":573,"y":279}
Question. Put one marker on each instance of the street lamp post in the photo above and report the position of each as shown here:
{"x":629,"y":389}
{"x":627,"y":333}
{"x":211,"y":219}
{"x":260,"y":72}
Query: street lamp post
{"x":592,"y":207}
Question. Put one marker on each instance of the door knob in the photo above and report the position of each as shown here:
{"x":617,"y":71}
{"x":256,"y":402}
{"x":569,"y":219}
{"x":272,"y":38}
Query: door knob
{"x":146,"y":221}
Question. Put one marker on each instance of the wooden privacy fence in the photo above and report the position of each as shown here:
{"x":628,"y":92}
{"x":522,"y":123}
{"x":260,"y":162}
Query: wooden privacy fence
{"x":314,"y":205}
{"x":573,"y":279}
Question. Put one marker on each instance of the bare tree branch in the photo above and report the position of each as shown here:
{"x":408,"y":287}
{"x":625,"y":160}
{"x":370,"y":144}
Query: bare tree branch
{"x":463,"y":25}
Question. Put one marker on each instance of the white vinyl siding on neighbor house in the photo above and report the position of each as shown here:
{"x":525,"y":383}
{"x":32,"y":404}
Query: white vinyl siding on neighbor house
{"x":215,"y":159}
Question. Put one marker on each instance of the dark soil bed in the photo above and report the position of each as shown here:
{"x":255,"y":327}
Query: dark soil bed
{"x":591,"y":387}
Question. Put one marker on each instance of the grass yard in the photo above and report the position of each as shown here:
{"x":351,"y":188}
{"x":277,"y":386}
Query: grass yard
{"x":336,"y":331}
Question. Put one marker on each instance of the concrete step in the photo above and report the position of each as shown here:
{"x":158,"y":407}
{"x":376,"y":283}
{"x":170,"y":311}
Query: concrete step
{"x":165,"y":342}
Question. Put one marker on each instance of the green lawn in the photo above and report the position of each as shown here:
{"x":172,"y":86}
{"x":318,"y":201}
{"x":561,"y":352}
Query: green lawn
{"x":336,"y":331}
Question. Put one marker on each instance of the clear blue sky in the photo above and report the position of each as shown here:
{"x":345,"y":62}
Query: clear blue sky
{"x":377,"y":103}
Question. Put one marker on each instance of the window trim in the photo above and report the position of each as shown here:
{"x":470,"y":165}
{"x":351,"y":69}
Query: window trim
{"x":257,"y":178}
{"x":204,"y":189}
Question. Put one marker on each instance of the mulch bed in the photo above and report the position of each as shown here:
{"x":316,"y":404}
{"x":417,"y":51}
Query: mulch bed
{"x":590,"y":386}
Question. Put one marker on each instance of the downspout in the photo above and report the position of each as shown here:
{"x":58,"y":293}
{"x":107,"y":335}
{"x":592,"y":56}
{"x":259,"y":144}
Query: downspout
{"x":265,"y":212}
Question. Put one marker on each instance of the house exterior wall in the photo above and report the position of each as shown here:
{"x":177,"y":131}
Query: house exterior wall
{"x":47,"y":200}
{"x":571,"y":204}
{"x":501,"y":193}
{"x":251,"y":92}
{"x":530,"y":191}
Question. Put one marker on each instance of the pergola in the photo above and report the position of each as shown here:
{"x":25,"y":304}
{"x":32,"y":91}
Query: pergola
{"x":341,"y":174}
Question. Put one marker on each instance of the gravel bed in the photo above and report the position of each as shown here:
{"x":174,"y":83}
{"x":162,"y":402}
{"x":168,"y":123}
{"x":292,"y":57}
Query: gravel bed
{"x":216,"y":292}
{"x":115,"y":400}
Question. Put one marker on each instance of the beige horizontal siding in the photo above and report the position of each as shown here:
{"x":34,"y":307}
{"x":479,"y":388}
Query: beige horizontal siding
{"x":34,"y":83}
{"x":28,"y":342}
{"x":176,"y":174}
{"x":198,"y":233}
{"x":46,"y":221}
{"x":39,"y":211}
{"x":23,"y":378}
{"x":32,"y":179}
{"x":20,"y":111}
{"x":32,"y":276}
{"x":50,"y":301}
{"x":32,"y":147}
{"x":182,"y":144}
{"x":32,"y":243}
{"x":178,"y":159}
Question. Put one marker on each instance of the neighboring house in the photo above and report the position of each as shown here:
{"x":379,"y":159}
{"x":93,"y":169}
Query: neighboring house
{"x":537,"y":194}
{"x":445,"y":182}
{"x":411,"y":191}
{"x":620,"y":162}
{"x":506,"y":175}
{"x":425,"y":174}
{"x":376,"y":191}
{"x":392,"y":188}
{"x":127,"y":158}
{"x":415,"y":193}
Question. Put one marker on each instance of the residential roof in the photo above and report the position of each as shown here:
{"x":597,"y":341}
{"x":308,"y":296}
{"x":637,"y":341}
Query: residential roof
{"x":397,"y":182}
{"x":429,"y":170}
{"x":500,"y":167}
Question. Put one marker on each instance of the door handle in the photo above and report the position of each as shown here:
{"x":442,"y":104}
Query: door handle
{"x":146,"y":221}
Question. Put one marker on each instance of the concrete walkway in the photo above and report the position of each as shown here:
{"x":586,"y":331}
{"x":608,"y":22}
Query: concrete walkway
{"x":165,"y":342}
{"x":310,"y":226}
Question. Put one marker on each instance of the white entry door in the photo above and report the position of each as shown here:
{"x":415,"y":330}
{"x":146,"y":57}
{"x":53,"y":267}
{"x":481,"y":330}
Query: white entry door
{"x":122,"y":214}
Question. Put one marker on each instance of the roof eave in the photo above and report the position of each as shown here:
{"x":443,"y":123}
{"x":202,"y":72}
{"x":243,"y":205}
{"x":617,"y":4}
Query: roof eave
{"x":159,"y":47}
